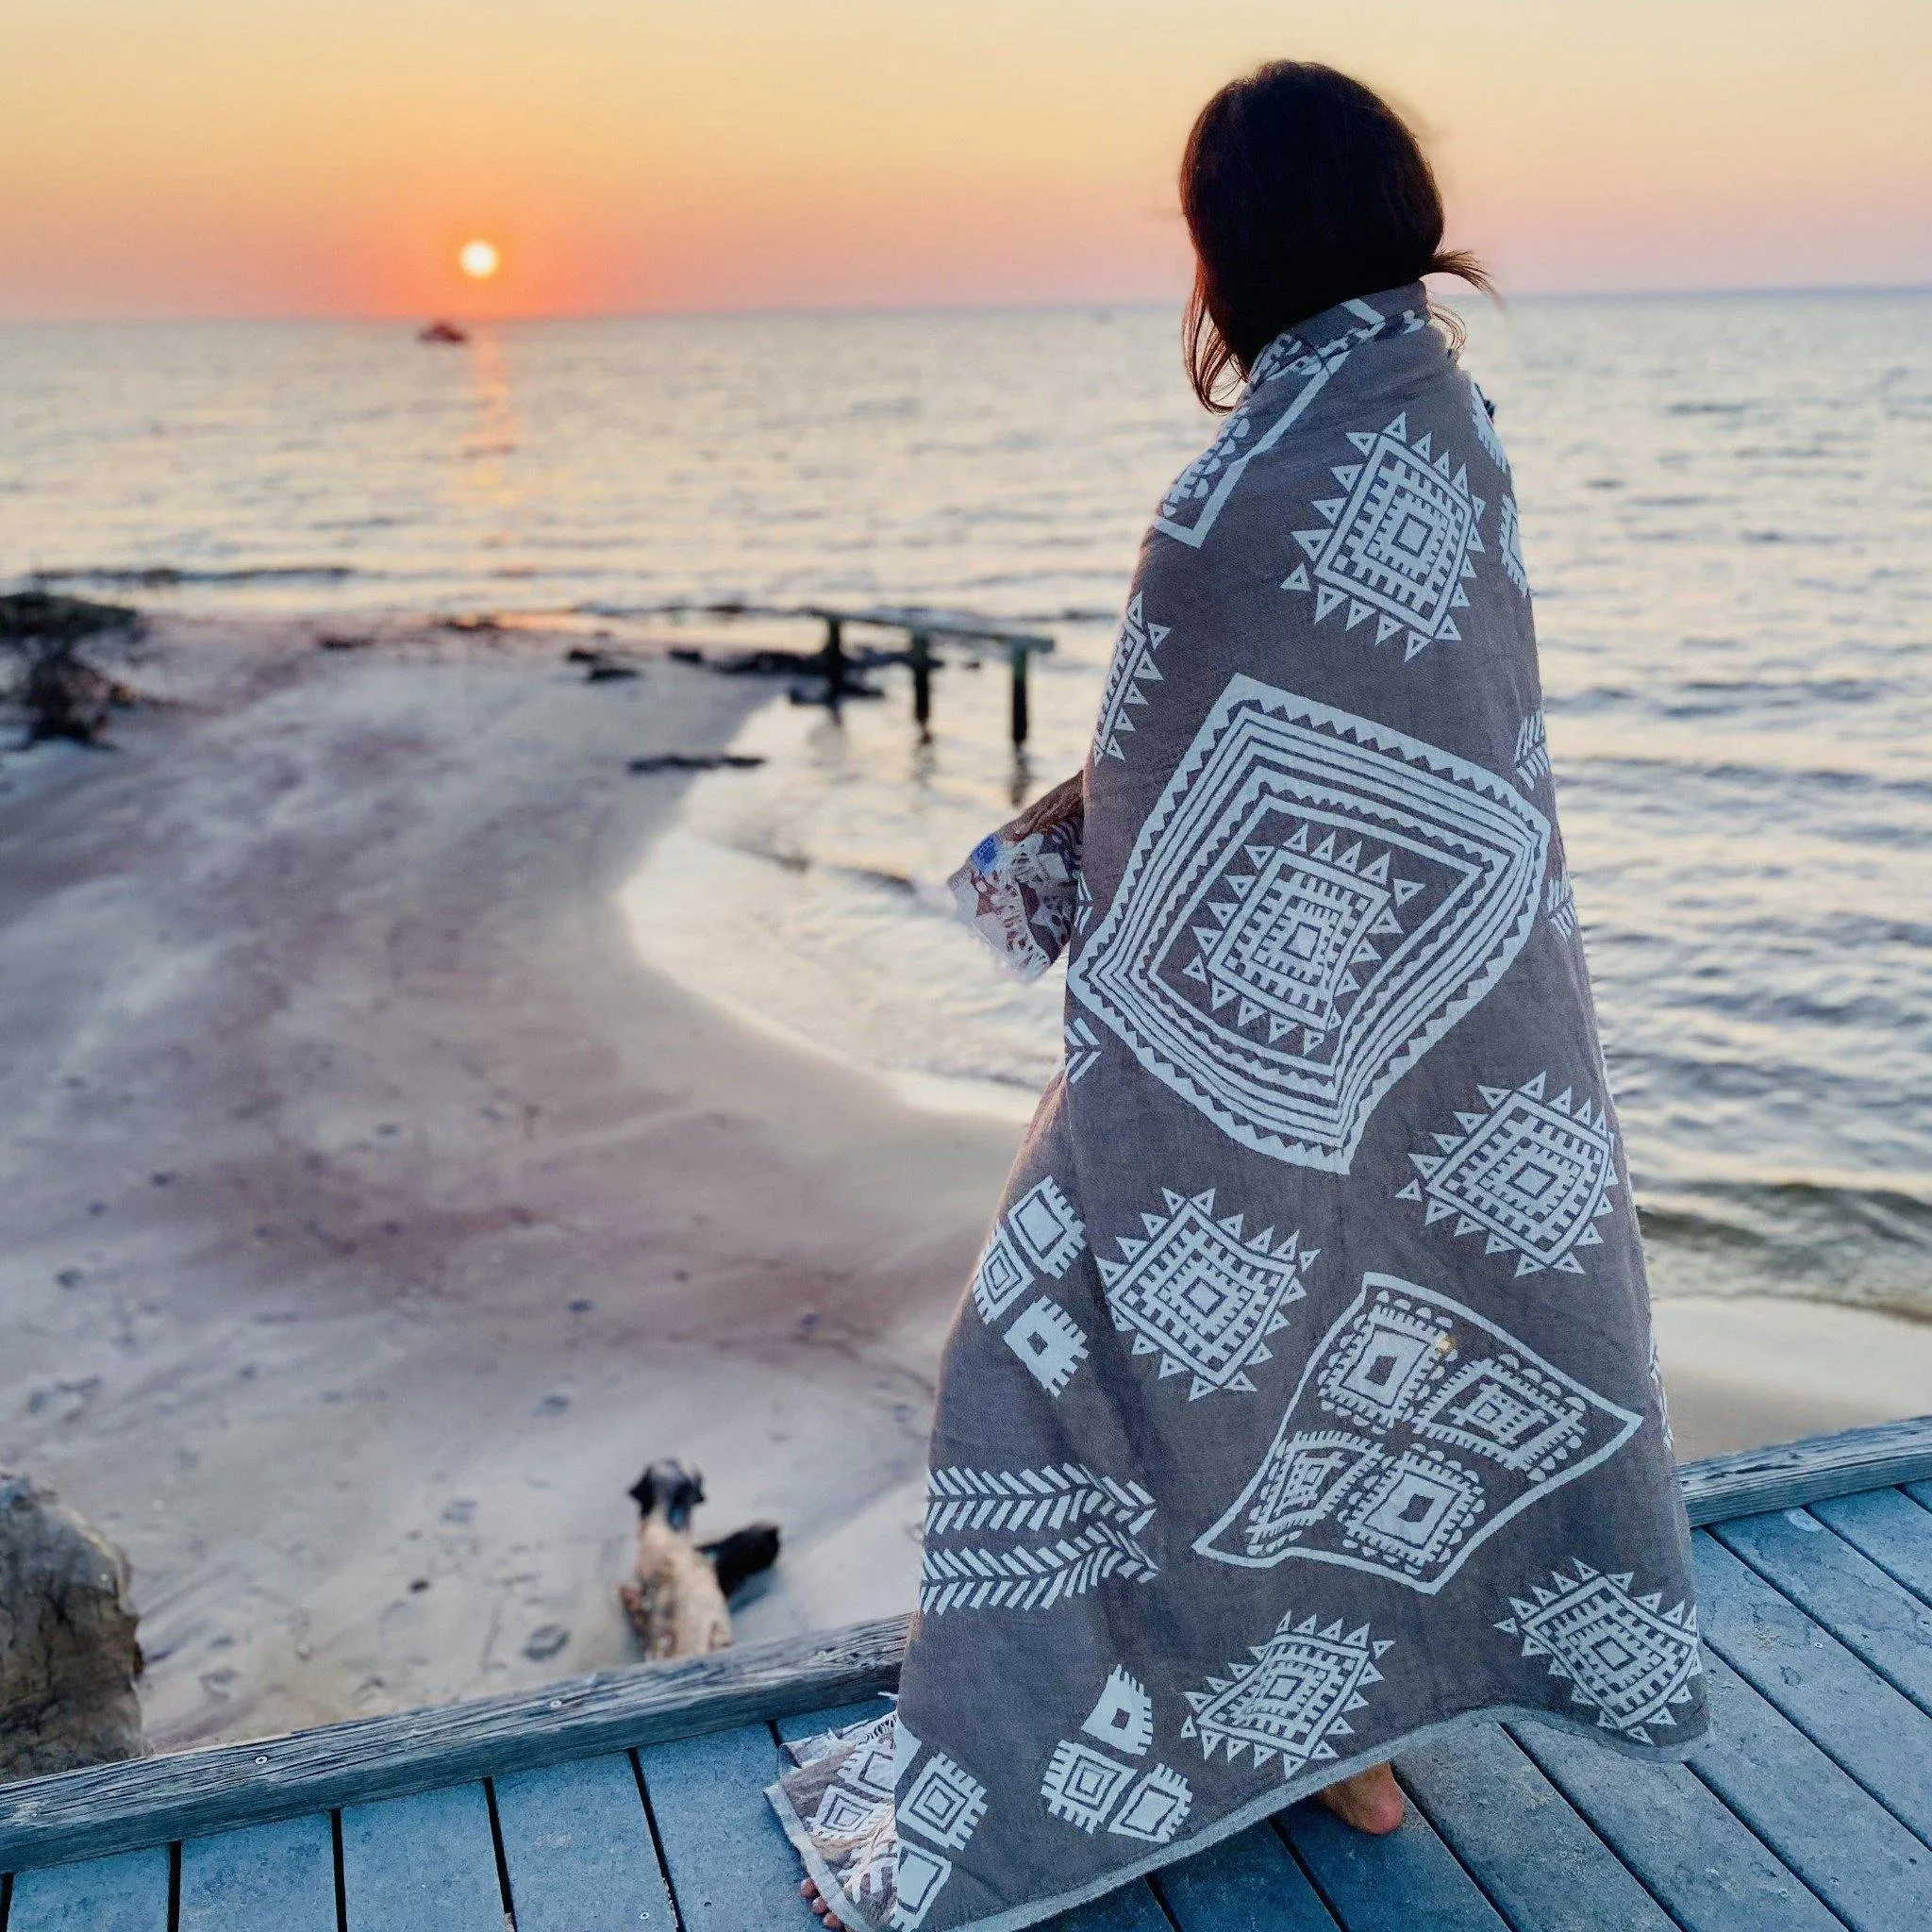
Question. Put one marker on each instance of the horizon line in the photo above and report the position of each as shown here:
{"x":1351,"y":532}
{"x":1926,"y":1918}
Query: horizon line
{"x":837,"y":310}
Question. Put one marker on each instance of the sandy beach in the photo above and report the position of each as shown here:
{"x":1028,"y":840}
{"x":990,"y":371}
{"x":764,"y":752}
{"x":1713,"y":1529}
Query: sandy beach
{"x":375,"y":1213}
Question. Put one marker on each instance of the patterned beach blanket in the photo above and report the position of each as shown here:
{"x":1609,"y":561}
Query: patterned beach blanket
{"x":1303,"y":1402}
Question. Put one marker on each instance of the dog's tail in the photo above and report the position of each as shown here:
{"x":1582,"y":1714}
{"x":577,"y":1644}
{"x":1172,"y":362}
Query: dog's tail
{"x":742,"y":1555}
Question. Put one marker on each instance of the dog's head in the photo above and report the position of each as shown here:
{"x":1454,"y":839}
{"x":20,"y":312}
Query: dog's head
{"x":669,"y":1489}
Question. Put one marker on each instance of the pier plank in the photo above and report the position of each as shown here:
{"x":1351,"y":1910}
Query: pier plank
{"x":1852,"y":1852}
{"x":1794,"y":1473}
{"x":423,"y":1863}
{"x":1132,"y":1908}
{"x":281,"y":1874}
{"x":1847,"y":1593}
{"x":1247,"y":1883}
{"x":125,"y":1893}
{"x":729,"y":1863}
{"x":1394,"y":1884}
{"x":577,"y":1847}
{"x":1541,"y":1865}
{"x":1684,"y":1844}
{"x":1858,"y":1719}
{"x":1890,"y":1528}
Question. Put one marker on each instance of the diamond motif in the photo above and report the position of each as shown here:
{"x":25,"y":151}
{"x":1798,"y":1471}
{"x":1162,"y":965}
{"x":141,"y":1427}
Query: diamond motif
{"x":1532,"y":1175}
{"x":1399,"y":546}
{"x":1001,"y":1279}
{"x":1313,"y":901}
{"x":946,"y":1804}
{"x":1418,"y":1429}
{"x":1155,"y":1808}
{"x":1083,"y":1049}
{"x":919,"y":1877}
{"x":1625,"y":1659}
{"x":1133,"y":666}
{"x":1294,"y":1696}
{"x":1200,"y":1294}
{"x":1044,"y":1222}
{"x":1081,"y":1785}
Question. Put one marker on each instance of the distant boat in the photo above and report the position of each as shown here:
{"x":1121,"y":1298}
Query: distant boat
{"x":441,"y":332}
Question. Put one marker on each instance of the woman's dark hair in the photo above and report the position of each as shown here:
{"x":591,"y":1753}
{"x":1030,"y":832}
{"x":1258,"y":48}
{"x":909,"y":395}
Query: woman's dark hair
{"x":1301,"y":188}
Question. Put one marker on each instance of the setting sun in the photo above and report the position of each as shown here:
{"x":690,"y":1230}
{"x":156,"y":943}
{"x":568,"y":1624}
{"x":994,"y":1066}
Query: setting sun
{"x":479,"y":259}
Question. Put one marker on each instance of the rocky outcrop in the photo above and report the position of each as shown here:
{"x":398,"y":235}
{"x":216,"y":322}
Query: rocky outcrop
{"x":68,"y":1653}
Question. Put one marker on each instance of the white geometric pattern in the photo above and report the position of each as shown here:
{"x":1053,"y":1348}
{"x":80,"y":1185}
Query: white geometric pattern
{"x":1133,"y":666}
{"x":1050,"y":1342}
{"x":1655,"y":1368}
{"x":1560,"y":903}
{"x":1532,"y":752}
{"x":1044,"y":1222}
{"x":1124,"y":1716}
{"x":1091,"y":1523}
{"x":1510,"y":541}
{"x":1486,"y":428}
{"x":946,"y":1804}
{"x":1081,"y":1785}
{"x":1532,"y":1176}
{"x":1399,"y":546}
{"x":1625,"y":1659}
{"x":1202,"y":1296}
{"x":1419,"y":1428}
{"x":1001,"y":1279}
{"x":1292,"y":1699}
{"x":1200,"y":492}
{"x":1155,"y":1808}
{"x":1312,"y":902}
{"x":919,"y":1877}
{"x":1083,"y":1048}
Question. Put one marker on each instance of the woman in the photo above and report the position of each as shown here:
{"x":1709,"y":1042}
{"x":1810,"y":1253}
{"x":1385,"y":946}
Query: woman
{"x":1304,"y":1404}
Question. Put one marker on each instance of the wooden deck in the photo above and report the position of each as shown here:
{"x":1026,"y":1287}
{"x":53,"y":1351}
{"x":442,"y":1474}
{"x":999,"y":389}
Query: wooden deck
{"x":634,"y":1799}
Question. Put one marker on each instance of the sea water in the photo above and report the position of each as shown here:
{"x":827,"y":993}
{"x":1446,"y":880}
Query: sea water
{"x":1726,"y":516}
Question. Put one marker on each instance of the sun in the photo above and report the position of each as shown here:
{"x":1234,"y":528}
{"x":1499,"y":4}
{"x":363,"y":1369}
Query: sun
{"x":478,"y":259}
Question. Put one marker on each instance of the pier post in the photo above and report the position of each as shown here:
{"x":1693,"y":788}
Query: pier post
{"x":835,"y":659}
{"x":1017,"y":655}
{"x":919,"y":653}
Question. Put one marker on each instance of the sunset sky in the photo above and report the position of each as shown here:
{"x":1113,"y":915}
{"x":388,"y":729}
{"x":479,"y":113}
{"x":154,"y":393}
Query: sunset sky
{"x":269,"y":157}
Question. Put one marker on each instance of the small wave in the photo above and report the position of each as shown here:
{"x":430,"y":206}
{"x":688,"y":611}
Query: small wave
{"x":1865,"y":1242}
{"x":165,"y":576}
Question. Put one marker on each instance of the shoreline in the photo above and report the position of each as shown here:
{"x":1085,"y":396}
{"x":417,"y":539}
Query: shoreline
{"x":378,"y":1212}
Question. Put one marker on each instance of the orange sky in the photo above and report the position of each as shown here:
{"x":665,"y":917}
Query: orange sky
{"x":328,"y":157}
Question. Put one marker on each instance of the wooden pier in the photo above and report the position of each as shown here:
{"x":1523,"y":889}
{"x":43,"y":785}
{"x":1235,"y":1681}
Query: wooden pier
{"x":838,"y":661}
{"x":634,"y":1798}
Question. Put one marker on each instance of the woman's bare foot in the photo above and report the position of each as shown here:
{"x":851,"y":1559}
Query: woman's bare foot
{"x":818,"y":1905}
{"x":1371,"y":1800}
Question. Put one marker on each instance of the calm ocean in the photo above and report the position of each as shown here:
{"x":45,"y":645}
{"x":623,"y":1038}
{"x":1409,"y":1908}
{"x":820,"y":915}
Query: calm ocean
{"x":1728,"y":520}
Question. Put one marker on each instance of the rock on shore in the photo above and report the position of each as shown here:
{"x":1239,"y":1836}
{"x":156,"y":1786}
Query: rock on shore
{"x":68,"y":1653}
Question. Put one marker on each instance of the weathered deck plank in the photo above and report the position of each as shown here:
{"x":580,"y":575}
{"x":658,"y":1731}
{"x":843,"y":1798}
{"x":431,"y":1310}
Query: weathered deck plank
{"x":1891,"y":1529}
{"x":423,"y":1863}
{"x":1247,"y":1883}
{"x":731,"y":1865}
{"x":1394,"y":1884}
{"x":578,"y":1850}
{"x":810,"y":1724}
{"x":125,"y":1893}
{"x":1133,"y":1908}
{"x":1685,"y":1845}
{"x":1542,"y":1866}
{"x":114,"y":1808}
{"x":1852,"y":1852}
{"x":1859,"y":1720}
{"x":281,"y":1876}
{"x":1847,"y":1594}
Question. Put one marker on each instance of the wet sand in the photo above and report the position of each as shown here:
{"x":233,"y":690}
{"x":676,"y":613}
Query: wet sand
{"x":374,"y":1213}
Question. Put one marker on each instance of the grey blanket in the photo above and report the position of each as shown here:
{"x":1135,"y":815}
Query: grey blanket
{"x":1304,"y":1400}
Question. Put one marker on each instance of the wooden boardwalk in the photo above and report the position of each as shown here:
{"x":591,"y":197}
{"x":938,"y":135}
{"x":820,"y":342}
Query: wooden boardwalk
{"x":634,"y":1799}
